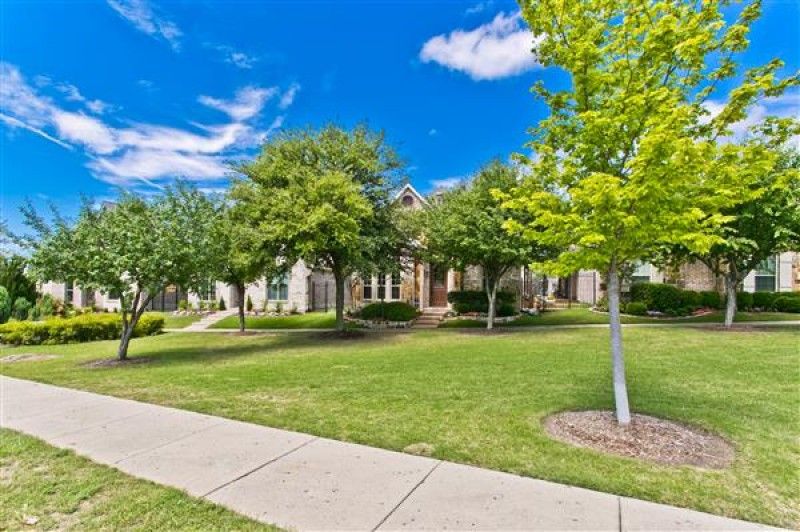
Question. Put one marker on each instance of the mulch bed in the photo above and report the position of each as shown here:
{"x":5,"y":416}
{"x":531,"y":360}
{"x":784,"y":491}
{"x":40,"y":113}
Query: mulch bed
{"x":26,"y":357}
{"x":115,"y":362}
{"x":647,"y":438}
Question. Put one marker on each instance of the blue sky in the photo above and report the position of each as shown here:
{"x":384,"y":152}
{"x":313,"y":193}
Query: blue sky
{"x":133,"y":93}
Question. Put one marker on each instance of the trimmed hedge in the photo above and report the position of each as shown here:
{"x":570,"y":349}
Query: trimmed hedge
{"x":466,"y":301}
{"x":712,"y":299}
{"x":744,"y":301}
{"x":636,"y":308}
{"x":665,"y":298}
{"x":787,"y":303}
{"x":83,"y":328}
{"x":393,"y":311}
{"x":765,"y":300}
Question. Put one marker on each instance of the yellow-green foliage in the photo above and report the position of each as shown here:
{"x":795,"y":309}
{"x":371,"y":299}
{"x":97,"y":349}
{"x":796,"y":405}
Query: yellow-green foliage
{"x":83,"y":328}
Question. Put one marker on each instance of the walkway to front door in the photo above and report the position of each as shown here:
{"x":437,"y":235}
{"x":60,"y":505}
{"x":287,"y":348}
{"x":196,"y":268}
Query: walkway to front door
{"x":438,"y":289}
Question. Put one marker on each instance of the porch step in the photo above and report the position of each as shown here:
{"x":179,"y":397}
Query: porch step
{"x":430,"y":318}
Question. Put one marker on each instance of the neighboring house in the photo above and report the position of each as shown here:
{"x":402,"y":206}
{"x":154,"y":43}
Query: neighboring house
{"x":426,"y":285}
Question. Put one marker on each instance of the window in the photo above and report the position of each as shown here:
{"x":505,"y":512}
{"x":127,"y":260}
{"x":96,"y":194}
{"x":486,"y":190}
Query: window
{"x":114,"y":294}
{"x":381,"y":286}
{"x":765,"y":276}
{"x":278,"y":289}
{"x":408,"y":200}
{"x":208,"y":291}
{"x":396,"y":285}
{"x":367,"y":289}
{"x":641,"y":274}
{"x":69,"y":292}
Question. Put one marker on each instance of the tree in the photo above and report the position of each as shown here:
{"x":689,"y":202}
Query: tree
{"x":466,"y":228}
{"x":14,"y":278}
{"x":5,"y":305}
{"x":622,"y":158}
{"x":246,"y":253}
{"x":135,"y":248}
{"x":764,"y":225}
{"x":326,"y":196}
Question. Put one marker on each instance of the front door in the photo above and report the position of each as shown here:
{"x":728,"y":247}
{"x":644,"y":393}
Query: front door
{"x":438,"y":286}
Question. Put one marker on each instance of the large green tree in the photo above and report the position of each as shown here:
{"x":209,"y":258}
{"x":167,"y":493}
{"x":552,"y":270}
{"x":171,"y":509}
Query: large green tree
{"x":134,"y":248}
{"x":326,"y":196}
{"x":465,"y":227}
{"x":765,"y":224}
{"x":622,"y":160}
{"x":16,"y":280}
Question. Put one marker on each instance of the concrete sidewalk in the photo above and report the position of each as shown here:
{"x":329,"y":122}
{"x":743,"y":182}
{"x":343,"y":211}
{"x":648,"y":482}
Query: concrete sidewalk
{"x":304,"y":482}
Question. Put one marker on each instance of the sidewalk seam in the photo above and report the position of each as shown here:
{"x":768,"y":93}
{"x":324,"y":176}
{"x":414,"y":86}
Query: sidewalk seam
{"x":619,"y":512}
{"x":257,"y":468}
{"x":151,"y":449}
{"x":404,"y":499}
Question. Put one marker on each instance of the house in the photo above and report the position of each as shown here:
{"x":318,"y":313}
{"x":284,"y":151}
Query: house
{"x":425,"y":285}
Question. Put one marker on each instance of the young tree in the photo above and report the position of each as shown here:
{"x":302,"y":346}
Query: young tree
{"x":16,"y":280}
{"x":326,"y":196}
{"x":246,"y":253}
{"x":764,"y":225}
{"x":135,"y":247}
{"x":621,"y":160}
{"x":466,"y":228}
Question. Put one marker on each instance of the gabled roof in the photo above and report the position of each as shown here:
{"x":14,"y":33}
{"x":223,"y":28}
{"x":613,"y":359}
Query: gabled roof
{"x":409,"y":188}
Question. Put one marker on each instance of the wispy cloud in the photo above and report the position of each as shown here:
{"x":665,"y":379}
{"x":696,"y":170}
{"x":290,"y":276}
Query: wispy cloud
{"x":248,"y":102}
{"x":480,"y":7}
{"x":147,"y":19}
{"x":288,"y":97}
{"x":498,"y":49}
{"x":131,"y":152}
{"x":433,"y":132}
{"x":447,"y":182}
{"x":233,"y":56}
{"x":785,"y":106}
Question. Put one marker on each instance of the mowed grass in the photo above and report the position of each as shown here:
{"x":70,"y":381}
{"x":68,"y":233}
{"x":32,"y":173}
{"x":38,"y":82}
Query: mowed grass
{"x":584,"y":316}
{"x":45,"y":488}
{"x":175,"y":321}
{"x":309,"y":320}
{"x":480,"y":398}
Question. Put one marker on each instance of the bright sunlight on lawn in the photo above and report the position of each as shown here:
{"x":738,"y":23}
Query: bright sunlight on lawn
{"x":309,"y":320}
{"x":479,"y":398}
{"x":44,"y":488}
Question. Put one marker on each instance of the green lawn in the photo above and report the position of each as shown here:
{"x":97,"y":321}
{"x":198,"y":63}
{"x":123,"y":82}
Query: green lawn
{"x":479,"y":398}
{"x":584,"y":316}
{"x":309,"y":320}
{"x":56,"y":489}
{"x":172,"y":321}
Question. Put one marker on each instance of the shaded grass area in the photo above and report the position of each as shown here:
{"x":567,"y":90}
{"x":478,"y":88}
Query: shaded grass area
{"x":309,"y":320}
{"x":479,"y":398}
{"x":46,"y":488}
{"x":584,"y":316}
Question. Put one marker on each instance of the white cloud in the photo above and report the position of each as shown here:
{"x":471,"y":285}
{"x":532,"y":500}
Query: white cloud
{"x":498,"y":49}
{"x":146,"y":84}
{"x":785,"y":106}
{"x":144,"y":17}
{"x":288,"y":97}
{"x":248,"y":102}
{"x":147,"y":152}
{"x":233,"y":56}
{"x":480,"y":7}
{"x":447,"y":182}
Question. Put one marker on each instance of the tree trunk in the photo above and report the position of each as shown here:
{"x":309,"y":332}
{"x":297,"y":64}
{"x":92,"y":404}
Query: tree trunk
{"x":127,"y":333}
{"x":731,"y":283}
{"x":618,"y":361}
{"x":491,"y":293}
{"x":339,"y":277}
{"x":240,"y":296}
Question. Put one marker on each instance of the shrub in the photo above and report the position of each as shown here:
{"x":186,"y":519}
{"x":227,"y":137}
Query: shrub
{"x":5,"y":305}
{"x":249,"y":304}
{"x":394,"y":311}
{"x":711,"y":299}
{"x":183,"y":305}
{"x":744,"y":301}
{"x":765,"y":300}
{"x":279,"y":307}
{"x":788,"y":303}
{"x":83,"y":328}
{"x":602,"y":304}
{"x":21,"y":308}
{"x":221,"y":304}
{"x":636,"y":308}
{"x":505,"y":309}
{"x":465,"y":301}
{"x":44,"y":307}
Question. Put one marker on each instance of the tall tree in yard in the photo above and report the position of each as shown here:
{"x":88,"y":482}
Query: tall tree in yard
{"x":135,"y":248}
{"x":621,"y":167}
{"x":326,"y":195}
{"x":466,"y":228}
{"x":247,"y":254}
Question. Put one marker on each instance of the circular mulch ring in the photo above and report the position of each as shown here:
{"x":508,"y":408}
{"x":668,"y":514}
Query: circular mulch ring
{"x":647,"y":438}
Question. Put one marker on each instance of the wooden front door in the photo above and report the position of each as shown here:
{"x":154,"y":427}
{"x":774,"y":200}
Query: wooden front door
{"x":438,"y":295}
